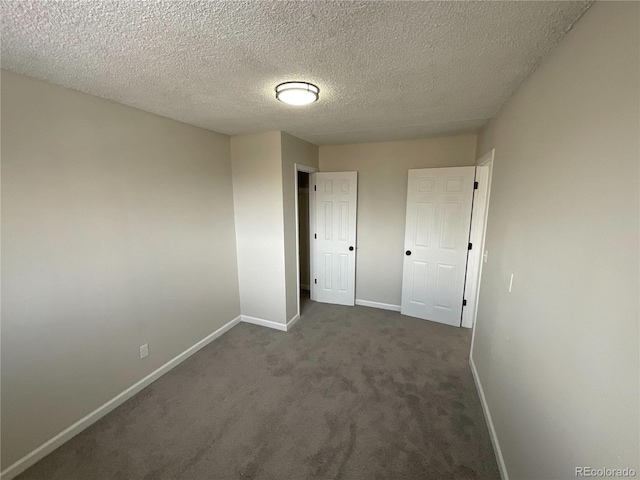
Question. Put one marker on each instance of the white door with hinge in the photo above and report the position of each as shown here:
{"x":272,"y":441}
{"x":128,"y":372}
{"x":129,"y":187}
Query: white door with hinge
{"x":336,"y":195}
{"x":436,"y":243}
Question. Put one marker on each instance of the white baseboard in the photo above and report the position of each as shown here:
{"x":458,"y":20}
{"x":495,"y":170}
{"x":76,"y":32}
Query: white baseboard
{"x":264,"y":323}
{"x":383,"y":306}
{"x":50,"y":445}
{"x":305,"y":287}
{"x":283,"y":327}
{"x":292,"y":322}
{"x":487,"y":415}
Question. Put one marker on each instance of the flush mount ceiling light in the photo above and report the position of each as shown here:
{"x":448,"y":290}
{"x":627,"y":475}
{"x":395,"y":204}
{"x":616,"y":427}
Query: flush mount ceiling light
{"x":297,"y":93}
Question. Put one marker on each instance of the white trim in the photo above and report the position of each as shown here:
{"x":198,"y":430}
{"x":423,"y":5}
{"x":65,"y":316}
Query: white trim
{"x":305,"y":287}
{"x":383,"y":306}
{"x":487,"y":159}
{"x":283,"y":327}
{"x":67,"y":434}
{"x":310,"y":170}
{"x":264,"y":323}
{"x":292,"y":322}
{"x":477,"y":231}
{"x":487,"y":415}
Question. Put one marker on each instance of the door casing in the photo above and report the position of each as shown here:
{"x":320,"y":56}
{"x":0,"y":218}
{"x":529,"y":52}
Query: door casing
{"x":476,"y":237}
{"x":484,"y":161}
{"x":310,"y":170}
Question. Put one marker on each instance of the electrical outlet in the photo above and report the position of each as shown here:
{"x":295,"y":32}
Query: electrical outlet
{"x":144,"y":350}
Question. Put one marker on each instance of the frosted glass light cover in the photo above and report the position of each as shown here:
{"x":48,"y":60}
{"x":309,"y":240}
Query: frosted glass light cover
{"x":297,"y":93}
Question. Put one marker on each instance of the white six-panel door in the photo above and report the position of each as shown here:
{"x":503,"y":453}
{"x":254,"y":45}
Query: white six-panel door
{"x":436,"y":243}
{"x":336,"y":206}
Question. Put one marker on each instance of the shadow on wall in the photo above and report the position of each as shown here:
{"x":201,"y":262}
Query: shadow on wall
{"x":303,"y":234}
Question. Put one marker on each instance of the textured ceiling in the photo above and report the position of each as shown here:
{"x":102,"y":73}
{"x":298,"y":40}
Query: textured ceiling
{"x":386,"y":70}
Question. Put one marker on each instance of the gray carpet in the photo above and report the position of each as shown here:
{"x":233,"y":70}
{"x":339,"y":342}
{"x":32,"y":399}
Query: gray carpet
{"x":350,"y":393}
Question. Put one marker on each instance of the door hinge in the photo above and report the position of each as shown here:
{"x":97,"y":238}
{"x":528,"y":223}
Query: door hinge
{"x":464,"y":303}
{"x":315,"y":280}
{"x":475,"y":185}
{"x":470,"y":246}
{"x":315,"y":188}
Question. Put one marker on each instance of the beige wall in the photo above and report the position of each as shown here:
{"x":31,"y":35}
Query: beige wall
{"x":117,"y":230}
{"x":264,"y":198}
{"x":558,"y":357}
{"x":294,"y":150}
{"x":257,"y":194}
{"x":382,"y":200}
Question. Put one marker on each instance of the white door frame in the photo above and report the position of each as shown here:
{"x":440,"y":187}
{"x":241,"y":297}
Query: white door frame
{"x":312,"y":221}
{"x":485,"y":161}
